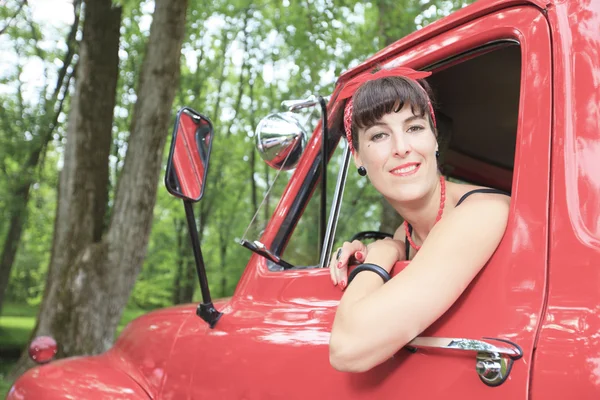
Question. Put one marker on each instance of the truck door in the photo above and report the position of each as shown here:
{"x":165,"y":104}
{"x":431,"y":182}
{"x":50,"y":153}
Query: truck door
{"x":492,"y":79}
{"x":567,"y":357}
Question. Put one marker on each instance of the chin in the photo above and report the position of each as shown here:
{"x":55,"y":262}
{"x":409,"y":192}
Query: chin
{"x":405,"y":193}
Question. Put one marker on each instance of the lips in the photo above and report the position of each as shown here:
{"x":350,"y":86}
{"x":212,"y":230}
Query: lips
{"x":405,"y":169}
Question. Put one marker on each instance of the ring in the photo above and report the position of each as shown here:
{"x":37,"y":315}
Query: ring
{"x":339,"y":253}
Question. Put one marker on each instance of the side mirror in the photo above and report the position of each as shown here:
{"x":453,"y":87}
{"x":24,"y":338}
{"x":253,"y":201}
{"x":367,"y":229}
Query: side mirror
{"x":188,"y":158}
{"x":280,"y":140}
{"x":185,"y":178}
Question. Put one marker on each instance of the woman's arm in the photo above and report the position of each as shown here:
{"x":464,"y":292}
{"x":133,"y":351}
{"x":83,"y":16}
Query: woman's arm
{"x":374,"y":321}
{"x":338,"y":265}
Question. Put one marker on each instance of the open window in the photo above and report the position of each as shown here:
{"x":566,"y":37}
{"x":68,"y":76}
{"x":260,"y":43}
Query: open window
{"x":477,"y":98}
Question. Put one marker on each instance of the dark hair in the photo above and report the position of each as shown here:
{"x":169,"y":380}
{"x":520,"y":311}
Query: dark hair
{"x":379,"y":97}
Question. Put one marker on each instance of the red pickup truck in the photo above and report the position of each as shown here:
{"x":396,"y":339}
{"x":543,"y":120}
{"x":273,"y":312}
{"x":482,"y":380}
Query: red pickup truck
{"x":517,"y":87}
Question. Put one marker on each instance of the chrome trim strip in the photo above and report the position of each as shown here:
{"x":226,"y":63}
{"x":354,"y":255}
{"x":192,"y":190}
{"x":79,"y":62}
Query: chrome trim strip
{"x":336,"y":205}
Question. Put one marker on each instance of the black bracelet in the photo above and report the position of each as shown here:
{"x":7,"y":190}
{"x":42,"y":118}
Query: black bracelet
{"x":369,"y":267}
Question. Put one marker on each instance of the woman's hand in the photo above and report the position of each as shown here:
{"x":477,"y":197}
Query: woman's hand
{"x":385,"y":253}
{"x":338,"y":266}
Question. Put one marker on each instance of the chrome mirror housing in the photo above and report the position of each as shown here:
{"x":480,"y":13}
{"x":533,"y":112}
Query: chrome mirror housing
{"x":280,"y":140}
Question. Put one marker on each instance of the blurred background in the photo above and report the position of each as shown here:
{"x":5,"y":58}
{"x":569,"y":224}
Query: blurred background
{"x":89,"y":237}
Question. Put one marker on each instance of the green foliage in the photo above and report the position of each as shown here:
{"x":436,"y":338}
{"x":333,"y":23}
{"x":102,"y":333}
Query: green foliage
{"x":32,"y":96}
{"x":15,"y":331}
{"x":28,"y":275}
{"x":240,"y":59}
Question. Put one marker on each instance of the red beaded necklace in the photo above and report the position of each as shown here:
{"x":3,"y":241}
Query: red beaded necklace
{"x":439,"y":216}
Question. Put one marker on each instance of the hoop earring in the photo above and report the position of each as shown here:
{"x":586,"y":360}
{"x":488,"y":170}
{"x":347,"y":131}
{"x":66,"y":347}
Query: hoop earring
{"x":362,"y":171}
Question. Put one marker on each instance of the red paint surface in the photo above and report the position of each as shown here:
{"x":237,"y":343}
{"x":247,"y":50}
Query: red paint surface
{"x":540,"y":290}
{"x":78,"y":378}
{"x":567,"y":362}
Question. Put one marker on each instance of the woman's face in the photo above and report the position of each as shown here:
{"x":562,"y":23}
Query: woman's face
{"x":398,"y":152}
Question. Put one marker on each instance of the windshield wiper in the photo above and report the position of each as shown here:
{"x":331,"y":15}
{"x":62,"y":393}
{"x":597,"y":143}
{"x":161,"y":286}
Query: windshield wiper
{"x":260,"y":249}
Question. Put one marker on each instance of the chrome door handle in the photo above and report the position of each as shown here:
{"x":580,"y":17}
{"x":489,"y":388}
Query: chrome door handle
{"x":493,"y":362}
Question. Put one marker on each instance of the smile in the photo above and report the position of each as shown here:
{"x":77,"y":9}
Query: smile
{"x":406,"y":169}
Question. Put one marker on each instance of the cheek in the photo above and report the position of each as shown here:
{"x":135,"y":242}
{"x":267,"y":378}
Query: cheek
{"x":374,"y":154}
{"x":425,"y":144}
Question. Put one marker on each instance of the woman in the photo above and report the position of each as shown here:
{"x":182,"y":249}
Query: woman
{"x":390,"y":125}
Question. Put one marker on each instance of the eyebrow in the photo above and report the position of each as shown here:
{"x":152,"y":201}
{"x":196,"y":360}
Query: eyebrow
{"x":407,"y":120}
{"x":410,"y":119}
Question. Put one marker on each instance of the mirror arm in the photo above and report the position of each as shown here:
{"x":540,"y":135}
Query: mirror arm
{"x":324,"y":135}
{"x":205,"y":310}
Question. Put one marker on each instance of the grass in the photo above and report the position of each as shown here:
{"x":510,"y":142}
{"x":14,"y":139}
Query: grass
{"x":14,"y":332}
{"x":16,"y":323}
{"x":5,"y":385}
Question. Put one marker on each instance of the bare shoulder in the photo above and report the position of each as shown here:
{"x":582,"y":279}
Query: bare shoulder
{"x":472,"y":230}
{"x":473,"y":193}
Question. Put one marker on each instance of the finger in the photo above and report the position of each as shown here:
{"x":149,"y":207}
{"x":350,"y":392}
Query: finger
{"x":350,"y":249}
{"x":333,"y":267}
{"x":339,"y":273}
{"x":360,"y":256}
{"x":347,"y":251}
{"x":360,"y":246}
{"x":331,"y":274}
{"x":343,"y":277}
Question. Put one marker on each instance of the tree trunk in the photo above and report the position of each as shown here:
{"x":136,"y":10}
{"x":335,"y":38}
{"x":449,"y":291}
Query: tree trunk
{"x":13,"y":238}
{"x":222,"y":77}
{"x":223,"y":253}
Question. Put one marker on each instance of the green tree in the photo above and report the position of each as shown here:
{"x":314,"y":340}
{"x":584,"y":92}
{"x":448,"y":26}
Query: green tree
{"x":25,"y":143}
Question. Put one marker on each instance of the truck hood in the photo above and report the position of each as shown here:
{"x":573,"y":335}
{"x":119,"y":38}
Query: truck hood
{"x":136,"y":367}
{"x":144,"y":348}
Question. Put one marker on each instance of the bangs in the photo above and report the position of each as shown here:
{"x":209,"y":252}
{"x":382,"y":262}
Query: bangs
{"x":379,"y":97}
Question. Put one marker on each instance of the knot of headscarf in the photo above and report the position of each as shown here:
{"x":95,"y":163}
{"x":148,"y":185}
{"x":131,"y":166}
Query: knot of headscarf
{"x":352,"y":86}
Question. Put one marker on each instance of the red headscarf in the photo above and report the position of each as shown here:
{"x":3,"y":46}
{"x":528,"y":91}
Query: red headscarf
{"x":352,"y":86}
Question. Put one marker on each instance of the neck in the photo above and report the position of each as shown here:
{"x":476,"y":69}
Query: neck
{"x":421,"y":214}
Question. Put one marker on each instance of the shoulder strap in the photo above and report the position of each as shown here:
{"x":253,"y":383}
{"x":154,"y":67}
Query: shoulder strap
{"x":486,"y":190}
{"x":406,"y":243}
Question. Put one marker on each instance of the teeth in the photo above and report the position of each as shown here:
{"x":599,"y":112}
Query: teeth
{"x":407,"y":169}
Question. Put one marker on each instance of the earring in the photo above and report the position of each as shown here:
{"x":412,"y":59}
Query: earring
{"x":437,"y":154}
{"x":362,"y":171}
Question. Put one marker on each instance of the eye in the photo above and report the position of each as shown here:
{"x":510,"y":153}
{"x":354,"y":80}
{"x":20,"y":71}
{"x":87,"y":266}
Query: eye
{"x":415,"y":128}
{"x":378,"y":136}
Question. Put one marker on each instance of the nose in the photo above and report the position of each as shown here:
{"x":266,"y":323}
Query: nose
{"x":400,"y":146}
